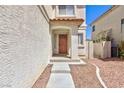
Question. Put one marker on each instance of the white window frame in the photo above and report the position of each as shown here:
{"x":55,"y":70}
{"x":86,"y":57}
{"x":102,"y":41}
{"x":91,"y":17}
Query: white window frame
{"x":58,"y":15}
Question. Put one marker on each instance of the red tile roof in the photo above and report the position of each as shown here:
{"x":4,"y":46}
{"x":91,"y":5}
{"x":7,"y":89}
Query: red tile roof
{"x":67,"y":19}
{"x":73,"y":21}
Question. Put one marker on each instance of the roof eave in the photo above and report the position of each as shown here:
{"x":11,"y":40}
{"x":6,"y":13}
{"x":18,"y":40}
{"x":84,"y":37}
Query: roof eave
{"x":111,"y":9}
{"x":73,"y":21}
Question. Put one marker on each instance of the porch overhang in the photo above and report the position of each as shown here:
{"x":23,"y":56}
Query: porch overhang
{"x":67,"y":21}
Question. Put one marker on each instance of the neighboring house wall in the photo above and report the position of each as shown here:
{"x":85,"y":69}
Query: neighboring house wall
{"x":111,"y":20}
{"x":24,"y":45}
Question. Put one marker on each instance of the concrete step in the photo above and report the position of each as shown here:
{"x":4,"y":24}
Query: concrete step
{"x":60,"y":68}
{"x":64,"y":60}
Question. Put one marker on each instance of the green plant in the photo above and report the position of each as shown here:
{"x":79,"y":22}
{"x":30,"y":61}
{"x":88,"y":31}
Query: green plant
{"x":122,"y":54}
{"x":98,"y":40}
{"x":108,"y":38}
{"x":103,"y":39}
{"x":121,"y":47}
{"x":94,"y":41}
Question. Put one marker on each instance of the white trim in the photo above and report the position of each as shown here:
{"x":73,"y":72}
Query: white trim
{"x":98,"y":75}
{"x":79,"y":45}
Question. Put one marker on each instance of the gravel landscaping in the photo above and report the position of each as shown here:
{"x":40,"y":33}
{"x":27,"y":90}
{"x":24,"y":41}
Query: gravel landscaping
{"x":84,"y":76}
{"x":111,"y":71}
{"x":43,"y":79}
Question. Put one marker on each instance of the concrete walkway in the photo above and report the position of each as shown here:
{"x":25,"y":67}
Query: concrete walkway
{"x":60,"y":77}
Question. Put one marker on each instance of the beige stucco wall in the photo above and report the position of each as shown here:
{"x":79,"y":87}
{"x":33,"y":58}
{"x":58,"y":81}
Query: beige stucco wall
{"x":89,"y":50}
{"x":81,"y":13}
{"x":110,"y":21}
{"x":24,"y":45}
{"x":81,"y":10}
{"x":82,"y":48}
{"x":50,"y":11}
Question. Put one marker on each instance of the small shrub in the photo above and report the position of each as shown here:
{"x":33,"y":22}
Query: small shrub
{"x":121,"y":48}
{"x":94,"y":41}
{"x":108,"y":38}
{"x":122,"y":54}
{"x":122,"y":45}
{"x":103,"y":39}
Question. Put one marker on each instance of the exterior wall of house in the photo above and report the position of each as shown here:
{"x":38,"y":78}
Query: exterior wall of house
{"x":74,"y":42}
{"x":80,"y":12}
{"x":89,"y":50}
{"x":50,"y":11}
{"x":112,"y":21}
{"x":24,"y":33}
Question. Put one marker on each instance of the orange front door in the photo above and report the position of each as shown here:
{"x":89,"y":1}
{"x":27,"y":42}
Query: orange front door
{"x":63,"y":44}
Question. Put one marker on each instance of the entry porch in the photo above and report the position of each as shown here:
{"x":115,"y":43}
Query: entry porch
{"x":65,"y":38}
{"x":65,"y":42}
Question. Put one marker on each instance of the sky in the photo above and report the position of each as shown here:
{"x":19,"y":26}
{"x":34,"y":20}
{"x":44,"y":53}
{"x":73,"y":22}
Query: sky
{"x":93,"y":12}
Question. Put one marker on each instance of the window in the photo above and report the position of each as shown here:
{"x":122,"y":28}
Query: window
{"x":66,"y":10}
{"x":122,"y":25}
{"x":62,"y":10}
{"x":93,"y":28}
{"x":80,"y":39}
{"x":122,"y":21}
{"x":122,"y":29}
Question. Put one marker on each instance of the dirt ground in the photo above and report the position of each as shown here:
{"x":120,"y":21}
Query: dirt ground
{"x":84,"y":76}
{"x":43,"y":79}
